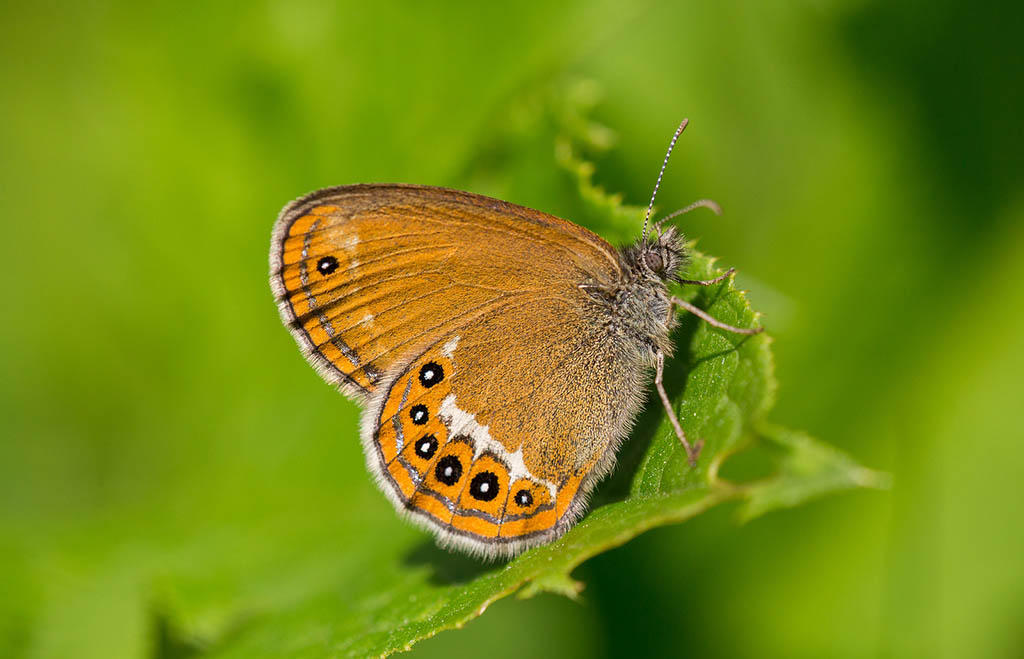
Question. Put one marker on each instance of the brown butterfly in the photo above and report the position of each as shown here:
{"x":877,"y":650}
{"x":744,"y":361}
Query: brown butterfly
{"x":500,"y":353}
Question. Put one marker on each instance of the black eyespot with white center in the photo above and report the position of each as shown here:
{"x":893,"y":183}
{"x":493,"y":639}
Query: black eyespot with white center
{"x":430,"y":374}
{"x":448,"y":470}
{"x":484,"y":486}
{"x":426,"y":447}
{"x":419,"y":414}
{"x":327,"y":265}
{"x":524,"y":498}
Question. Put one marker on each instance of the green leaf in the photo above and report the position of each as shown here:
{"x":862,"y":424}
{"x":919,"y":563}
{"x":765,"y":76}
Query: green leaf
{"x":205,"y":510}
{"x":387,"y":597}
{"x":806,"y":469}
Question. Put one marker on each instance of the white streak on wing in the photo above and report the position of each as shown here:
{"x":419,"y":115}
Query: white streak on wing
{"x":351,"y":243}
{"x":367,"y":320}
{"x":460,"y":422}
{"x":449,"y":347}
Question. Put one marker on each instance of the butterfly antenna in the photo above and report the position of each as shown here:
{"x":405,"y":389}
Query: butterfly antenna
{"x":700,"y":203}
{"x":650,"y":207}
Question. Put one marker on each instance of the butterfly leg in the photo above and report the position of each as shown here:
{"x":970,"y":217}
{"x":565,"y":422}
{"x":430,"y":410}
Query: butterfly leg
{"x":707,"y":282}
{"x":691,"y":451}
{"x":710,"y":320}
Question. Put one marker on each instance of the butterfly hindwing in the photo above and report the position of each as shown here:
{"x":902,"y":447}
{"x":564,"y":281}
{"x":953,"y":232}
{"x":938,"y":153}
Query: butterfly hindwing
{"x":448,"y":471}
{"x":511,"y":469}
{"x":410,"y":442}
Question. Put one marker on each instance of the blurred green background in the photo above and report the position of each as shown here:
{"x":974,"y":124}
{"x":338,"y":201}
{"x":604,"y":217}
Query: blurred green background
{"x":166,"y":454}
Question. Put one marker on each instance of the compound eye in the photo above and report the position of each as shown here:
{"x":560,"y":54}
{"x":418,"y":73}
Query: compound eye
{"x":654,"y":261}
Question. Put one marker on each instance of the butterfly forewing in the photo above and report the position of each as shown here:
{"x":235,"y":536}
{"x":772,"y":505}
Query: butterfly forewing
{"x":365,"y":275}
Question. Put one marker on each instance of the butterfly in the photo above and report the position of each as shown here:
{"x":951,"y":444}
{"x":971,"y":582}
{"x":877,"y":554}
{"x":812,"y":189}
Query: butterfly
{"x":500,"y":353}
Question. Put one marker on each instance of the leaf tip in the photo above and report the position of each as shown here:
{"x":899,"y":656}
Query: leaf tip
{"x":558,"y":583}
{"x":872,"y":479}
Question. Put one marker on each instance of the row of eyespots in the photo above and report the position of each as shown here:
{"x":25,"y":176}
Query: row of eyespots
{"x":430,"y":374}
{"x":484,"y":486}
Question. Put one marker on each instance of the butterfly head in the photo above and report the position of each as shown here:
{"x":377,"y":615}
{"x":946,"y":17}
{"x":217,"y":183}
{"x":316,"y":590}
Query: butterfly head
{"x":660,"y":257}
